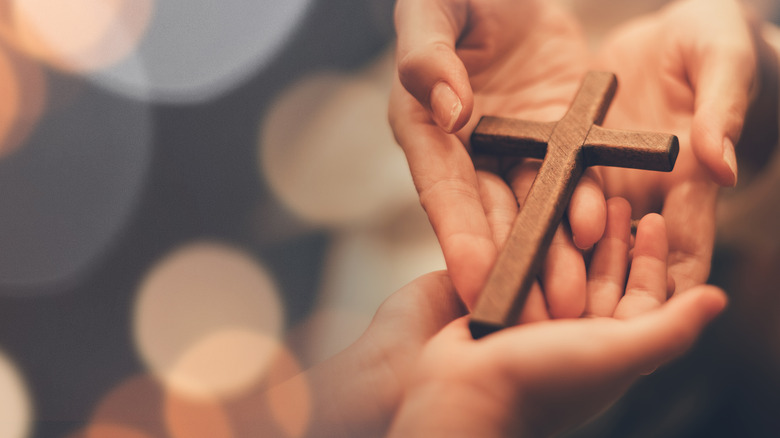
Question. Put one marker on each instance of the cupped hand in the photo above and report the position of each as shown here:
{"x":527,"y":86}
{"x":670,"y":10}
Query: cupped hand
{"x":461,"y":59}
{"x":688,"y":70}
{"x":537,"y":379}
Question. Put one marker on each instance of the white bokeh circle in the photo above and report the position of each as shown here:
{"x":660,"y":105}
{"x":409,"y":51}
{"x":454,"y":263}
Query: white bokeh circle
{"x":15,"y":403}
{"x":194,"y":50}
{"x":327,"y":151}
{"x":207,"y":320}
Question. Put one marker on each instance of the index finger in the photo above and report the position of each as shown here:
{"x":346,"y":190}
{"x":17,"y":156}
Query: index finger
{"x":428,"y":66}
{"x":449,"y":191}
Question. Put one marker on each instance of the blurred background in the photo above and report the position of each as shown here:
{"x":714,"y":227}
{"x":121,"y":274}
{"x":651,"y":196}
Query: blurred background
{"x":192,"y":189}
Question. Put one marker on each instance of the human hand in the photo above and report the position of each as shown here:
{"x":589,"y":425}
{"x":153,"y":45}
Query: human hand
{"x":688,"y":70}
{"x":458,"y":60}
{"x":356,"y":392}
{"x":538,"y":379}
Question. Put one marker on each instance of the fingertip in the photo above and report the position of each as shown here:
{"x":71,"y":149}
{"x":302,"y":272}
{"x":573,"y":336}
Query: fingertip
{"x":469,"y":261}
{"x":438,"y":80}
{"x":564,"y":278}
{"x":714,"y":148}
{"x":652,"y":220}
{"x":730,"y":159}
{"x":712,"y":300}
{"x":705,"y":301}
{"x":446,"y":107}
{"x":651,"y":237}
{"x":673,"y":328}
{"x":618,"y":217}
{"x":587,"y":214}
{"x":618,"y":206}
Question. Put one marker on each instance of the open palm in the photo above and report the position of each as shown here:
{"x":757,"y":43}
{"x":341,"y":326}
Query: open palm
{"x":686,"y":70}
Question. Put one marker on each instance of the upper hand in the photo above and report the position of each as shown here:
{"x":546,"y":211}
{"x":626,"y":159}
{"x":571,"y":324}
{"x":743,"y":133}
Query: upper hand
{"x":459,"y":60}
{"x":688,"y":70}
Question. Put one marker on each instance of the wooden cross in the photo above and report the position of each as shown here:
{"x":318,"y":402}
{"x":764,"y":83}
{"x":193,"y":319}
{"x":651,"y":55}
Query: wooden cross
{"x":568,"y":147}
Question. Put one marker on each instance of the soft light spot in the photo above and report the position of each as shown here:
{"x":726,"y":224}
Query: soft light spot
{"x":134,"y":406}
{"x":195,"y":50}
{"x":281,"y":405}
{"x":290,"y":405}
{"x":190,"y":418}
{"x":23,"y":87}
{"x":76,"y":35}
{"x":328,"y":153}
{"x":362,"y":268}
{"x":207,"y":320}
{"x":225,"y":362}
{"x":109,"y":431}
{"x":15,"y":404}
{"x":11,"y":102}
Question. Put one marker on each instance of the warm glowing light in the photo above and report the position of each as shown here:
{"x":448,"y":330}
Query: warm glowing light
{"x":207,"y":320}
{"x":77,"y":35}
{"x":290,"y":401}
{"x":362,"y":268}
{"x":23,"y":88}
{"x":280,"y":406}
{"x":109,"y":431}
{"x":9,"y":105}
{"x":328,"y":153}
{"x":15,"y":404}
{"x":133,"y":407}
{"x":225,"y":362}
{"x":189,"y":418}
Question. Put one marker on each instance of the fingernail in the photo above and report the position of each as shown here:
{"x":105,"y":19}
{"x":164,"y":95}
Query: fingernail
{"x":730,"y":157}
{"x":446,"y":106}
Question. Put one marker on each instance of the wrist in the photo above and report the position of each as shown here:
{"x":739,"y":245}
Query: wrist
{"x":353,"y":394}
{"x":455,"y":410}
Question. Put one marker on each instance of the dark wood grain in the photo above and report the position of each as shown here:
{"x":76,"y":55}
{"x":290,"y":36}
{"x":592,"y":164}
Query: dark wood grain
{"x":568,"y":147}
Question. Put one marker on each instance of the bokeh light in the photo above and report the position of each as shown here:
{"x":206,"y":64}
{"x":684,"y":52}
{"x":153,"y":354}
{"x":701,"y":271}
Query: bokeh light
{"x":77,"y":35}
{"x":23,"y":87}
{"x":281,"y":405}
{"x":9,"y":105}
{"x":134,"y":407}
{"x":328,"y":153}
{"x":15,"y":404}
{"x":362,"y":268}
{"x":191,"y":418}
{"x":109,"y":431}
{"x":290,"y":403}
{"x":194,"y":50}
{"x":67,"y":193}
{"x":222,"y":363}
{"x":207,"y":320}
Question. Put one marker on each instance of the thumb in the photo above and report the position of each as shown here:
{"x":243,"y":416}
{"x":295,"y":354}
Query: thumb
{"x":661,"y":335}
{"x":722,"y":70}
{"x":428,"y":66}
